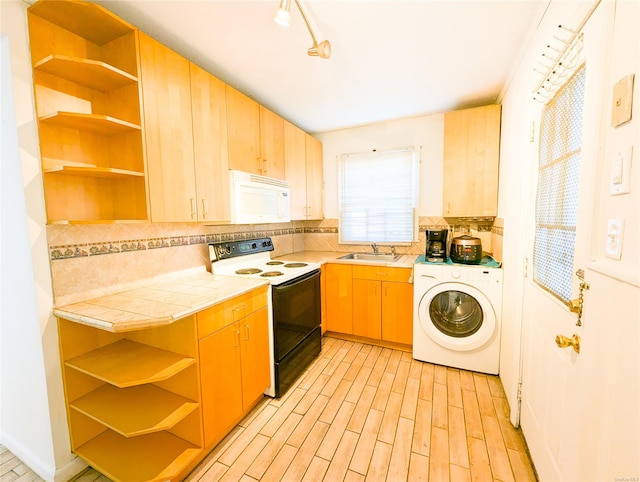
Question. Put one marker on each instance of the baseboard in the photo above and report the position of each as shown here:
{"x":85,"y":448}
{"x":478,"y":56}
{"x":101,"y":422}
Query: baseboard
{"x":44,"y":470}
{"x":70,"y":470}
{"x":369,"y":341}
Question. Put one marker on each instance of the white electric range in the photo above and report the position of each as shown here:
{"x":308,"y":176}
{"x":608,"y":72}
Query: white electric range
{"x":294,"y":304}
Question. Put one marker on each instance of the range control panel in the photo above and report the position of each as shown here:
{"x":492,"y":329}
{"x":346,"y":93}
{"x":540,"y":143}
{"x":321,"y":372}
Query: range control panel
{"x":232,"y":249}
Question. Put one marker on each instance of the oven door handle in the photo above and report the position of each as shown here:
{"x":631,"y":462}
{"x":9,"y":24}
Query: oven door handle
{"x":300,"y":279}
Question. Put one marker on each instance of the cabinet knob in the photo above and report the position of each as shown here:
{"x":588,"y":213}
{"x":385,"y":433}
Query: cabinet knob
{"x":193,"y":208}
{"x":205,"y":208}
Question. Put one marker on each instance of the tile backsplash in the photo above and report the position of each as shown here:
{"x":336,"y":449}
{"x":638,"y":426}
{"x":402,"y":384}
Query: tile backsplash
{"x":92,"y":260}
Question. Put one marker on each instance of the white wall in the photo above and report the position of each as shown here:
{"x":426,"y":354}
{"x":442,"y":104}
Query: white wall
{"x":426,"y":131}
{"x":33,"y":417}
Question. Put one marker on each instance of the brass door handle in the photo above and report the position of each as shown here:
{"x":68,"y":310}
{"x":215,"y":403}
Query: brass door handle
{"x":563,"y":342}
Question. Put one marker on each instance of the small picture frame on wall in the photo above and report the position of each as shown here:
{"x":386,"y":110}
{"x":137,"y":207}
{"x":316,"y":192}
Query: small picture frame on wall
{"x":622,"y":101}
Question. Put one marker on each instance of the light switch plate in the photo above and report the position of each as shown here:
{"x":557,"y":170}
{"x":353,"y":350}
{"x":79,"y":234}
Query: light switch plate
{"x":615,"y":233}
{"x":619,"y":182}
{"x":622,"y":101}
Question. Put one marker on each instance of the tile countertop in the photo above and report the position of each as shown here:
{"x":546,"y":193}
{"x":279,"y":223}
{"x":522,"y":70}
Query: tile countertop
{"x":158,"y":301}
{"x":322,"y":257}
{"x":163,"y":300}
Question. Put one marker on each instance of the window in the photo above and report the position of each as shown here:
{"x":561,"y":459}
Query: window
{"x":378,"y":196}
{"x":558,"y":182}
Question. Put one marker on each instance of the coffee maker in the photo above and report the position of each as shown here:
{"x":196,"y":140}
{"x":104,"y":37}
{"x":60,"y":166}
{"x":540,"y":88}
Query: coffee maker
{"x":436,"y":251}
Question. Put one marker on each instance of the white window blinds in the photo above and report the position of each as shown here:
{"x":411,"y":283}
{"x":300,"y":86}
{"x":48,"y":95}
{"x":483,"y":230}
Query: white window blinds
{"x":378,"y":196}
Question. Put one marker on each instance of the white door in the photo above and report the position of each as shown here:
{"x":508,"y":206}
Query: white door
{"x":556,"y":404}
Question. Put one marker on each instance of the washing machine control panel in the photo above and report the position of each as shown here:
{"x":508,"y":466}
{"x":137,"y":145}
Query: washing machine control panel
{"x":473,"y":274}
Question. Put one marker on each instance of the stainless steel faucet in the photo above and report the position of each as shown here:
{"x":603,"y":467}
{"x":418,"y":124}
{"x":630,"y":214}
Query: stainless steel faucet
{"x":393,"y":250}
{"x":374,"y":246}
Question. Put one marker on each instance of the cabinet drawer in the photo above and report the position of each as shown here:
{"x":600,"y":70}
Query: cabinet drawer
{"x":382,"y":273}
{"x":223,"y":314}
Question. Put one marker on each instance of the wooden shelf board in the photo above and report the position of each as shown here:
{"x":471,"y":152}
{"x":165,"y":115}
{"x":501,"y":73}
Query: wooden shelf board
{"x":96,"y":221}
{"x":96,"y":123}
{"x":90,"y":73}
{"x":134,"y":411}
{"x":87,"y":20}
{"x":126,"y":363}
{"x":103,"y":172}
{"x":160,"y":456}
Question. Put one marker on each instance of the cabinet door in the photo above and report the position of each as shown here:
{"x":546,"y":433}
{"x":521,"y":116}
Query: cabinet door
{"x":221,"y":382}
{"x":271,"y":144}
{"x":339,"y":296}
{"x":397,"y":312}
{"x":366,"y":308}
{"x":166,"y":94}
{"x":256,"y":366}
{"x":295,"y":169}
{"x":315,"y":183}
{"x":471,"y":159}
{"x":211,"y":150}
{"x":243,"y":118}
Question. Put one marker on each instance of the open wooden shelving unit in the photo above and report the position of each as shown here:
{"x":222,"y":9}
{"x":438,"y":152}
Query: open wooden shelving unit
{"x":133,"y":399}
{"x":85,"y":70}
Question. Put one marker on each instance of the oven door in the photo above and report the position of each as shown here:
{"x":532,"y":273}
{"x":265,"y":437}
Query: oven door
{"x":296,"y":312}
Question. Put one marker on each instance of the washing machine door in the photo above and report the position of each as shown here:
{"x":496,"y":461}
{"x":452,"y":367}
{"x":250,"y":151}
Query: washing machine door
{"x":457,"y":316}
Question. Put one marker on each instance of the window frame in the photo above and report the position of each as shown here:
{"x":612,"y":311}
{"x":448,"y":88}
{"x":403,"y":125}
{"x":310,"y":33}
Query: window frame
{"x":377,"y":156}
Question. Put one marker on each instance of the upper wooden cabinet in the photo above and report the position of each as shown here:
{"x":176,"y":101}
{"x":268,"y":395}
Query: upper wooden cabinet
{"x":303,"y":172}
{"x":86,"y":87}
{"x":271,"y":144}
{"x":210,"y":146}
{"x":471,"y":161}
{"x":166,"y":96}
{"x":315,"y":180}
{"x":256,"y":136}
{"x":186,"y":137}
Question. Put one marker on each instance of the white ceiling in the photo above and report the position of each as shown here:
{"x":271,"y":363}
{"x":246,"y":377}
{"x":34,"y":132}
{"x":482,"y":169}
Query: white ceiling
{"x":391,"y":58}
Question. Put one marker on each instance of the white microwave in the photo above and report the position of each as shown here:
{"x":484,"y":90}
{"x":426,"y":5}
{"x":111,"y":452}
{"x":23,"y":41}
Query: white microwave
{"x":258,"y":199}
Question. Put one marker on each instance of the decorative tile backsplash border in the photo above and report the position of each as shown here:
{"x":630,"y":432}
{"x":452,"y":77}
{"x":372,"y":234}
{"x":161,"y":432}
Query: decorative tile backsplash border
{"x":113,"y":247}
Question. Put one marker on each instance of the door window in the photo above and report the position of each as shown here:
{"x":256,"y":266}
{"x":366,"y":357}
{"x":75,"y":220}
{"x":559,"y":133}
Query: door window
{"x":558,"y":181}
{"x":456,"y":314}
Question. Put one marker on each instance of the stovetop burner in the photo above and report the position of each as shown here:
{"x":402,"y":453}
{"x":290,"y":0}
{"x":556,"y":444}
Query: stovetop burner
{"x":295,"y":265}
{"x":248,"y":271}
{"x":250,"y":258}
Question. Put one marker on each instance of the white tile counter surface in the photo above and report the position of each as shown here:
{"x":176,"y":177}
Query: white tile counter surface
{"x":163,"y":300}
{"x":156,"y":302}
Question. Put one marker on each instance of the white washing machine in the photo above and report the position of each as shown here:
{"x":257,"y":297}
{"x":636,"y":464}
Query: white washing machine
{"x":457,"y":313}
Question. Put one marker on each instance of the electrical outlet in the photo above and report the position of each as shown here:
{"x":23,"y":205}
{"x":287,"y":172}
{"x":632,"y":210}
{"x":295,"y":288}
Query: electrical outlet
{"x":615,"y":233}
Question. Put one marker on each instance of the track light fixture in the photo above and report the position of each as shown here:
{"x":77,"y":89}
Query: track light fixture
{"x":283,"y":17}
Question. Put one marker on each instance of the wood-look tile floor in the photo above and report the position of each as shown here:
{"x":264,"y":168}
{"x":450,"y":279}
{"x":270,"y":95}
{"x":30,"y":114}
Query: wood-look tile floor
{"x":363,"y":412}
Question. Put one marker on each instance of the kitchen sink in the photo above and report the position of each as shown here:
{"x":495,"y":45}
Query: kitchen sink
{"x":385,"y":257}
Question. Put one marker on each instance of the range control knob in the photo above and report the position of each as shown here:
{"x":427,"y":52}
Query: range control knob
{"x":455,"y":274}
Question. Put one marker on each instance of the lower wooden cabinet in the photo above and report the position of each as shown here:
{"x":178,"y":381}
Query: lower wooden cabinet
{"x":397,"y":312}
{"x":339,"y":297}
{"x":370,"y":301}
{"x":234,"y":361}
{"x":147,"y":404}
{"x":133,"y":399}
